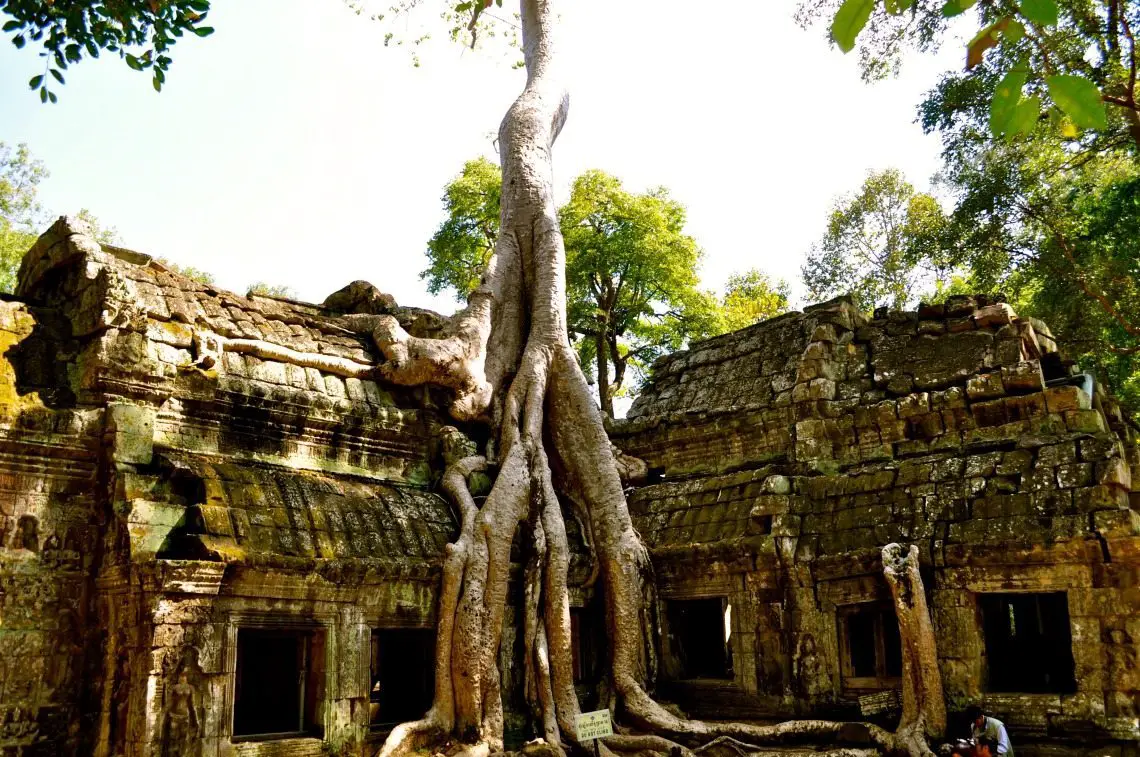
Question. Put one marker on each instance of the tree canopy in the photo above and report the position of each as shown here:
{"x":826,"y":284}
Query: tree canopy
{"x":459,"y":250}
{"x":631,"y":278}
{"x":751,"y":297}
{"x":141,"y":32}
{"x":881,"y":244}
{"x":1064,"y":65}
{"x":22,"y":216}
{"x":1040,"y":138}
{"x":632,"y":272}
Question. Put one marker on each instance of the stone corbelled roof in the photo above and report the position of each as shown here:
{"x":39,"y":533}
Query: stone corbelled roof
{"x":165,"y":295}
{"x":253,"y":511}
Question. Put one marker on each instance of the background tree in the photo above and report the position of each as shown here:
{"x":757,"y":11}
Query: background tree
{"x":881,"y":243}
{"x":631,"y":271}
{"x":1052,"y":224}
{"x":22,"y":217}
{"x":272,"y":290}
{"x":751,"y":297}
{"x":1056,"y":60}
{"x":460,"y":249}
{"x":1040,"y":132}
{"x":507,"y":359}
{"x":631,"y":278}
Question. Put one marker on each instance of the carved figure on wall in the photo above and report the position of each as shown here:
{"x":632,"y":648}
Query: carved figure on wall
{"x":183,"y":719}
{"x":120,"y":693}
{"x":808,"y":666}
{"x":68,"y":649}
{"x":50,"y":551}
{"x":27,"y":533}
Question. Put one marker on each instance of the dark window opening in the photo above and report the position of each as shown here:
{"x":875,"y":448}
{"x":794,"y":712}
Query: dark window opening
{"x":700,"y":637}
{"x":870,"y":646}
{"x":1029,"y":647}
{"x":587,"y":640}
{"x":278,"y":682}
{"x":403,"y":675}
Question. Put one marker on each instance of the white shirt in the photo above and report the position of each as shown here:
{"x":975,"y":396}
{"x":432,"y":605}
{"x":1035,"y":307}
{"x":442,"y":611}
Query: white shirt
{"x":993,"y":731}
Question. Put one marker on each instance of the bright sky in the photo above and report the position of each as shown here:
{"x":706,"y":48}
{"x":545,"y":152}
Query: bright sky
{"x":290,"y":147}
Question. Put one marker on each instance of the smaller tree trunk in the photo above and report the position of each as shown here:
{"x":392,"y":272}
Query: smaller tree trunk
{"x":603,"y":350}
{"x":924,"y":707}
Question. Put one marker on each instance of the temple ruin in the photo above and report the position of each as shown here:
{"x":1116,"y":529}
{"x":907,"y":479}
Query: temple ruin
{"x":220,"y":534}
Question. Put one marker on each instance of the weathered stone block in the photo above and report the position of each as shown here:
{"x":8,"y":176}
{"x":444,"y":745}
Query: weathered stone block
{"x":1074,"y":475}
{"x":1101,"y":498}
{"x":1056,"y":454}
{"x":1085,"y":421}
{"x":1115,"y":472}
{"x":169,"y":332}
{"x":777,"y":484}
{"x":1025,"y":407}
{"x":1061,"y":399}
{"x":1113,"y":523}
{"x":132,"y":427}
{"x":1100,"y":447}
{"x":991,"y":413}
{"x":914,"y":404}
{"x":1023,"y":377}
{"x":985,"y":386}
{"x":994,"y":316}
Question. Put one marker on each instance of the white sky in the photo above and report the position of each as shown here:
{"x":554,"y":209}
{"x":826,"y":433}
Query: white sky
{"x":290,"y":147}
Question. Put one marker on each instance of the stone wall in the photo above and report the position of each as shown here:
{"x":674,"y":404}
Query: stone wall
{"x":182,"y":468}
{"x":50,"y":522}
{"x":784,"y":456}
{"x":179,"y":465}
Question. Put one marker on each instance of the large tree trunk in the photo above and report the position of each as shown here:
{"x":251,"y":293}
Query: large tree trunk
{"x":508,"y":360}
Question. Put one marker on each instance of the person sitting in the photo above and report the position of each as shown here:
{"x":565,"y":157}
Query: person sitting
{"x":989,"y":733}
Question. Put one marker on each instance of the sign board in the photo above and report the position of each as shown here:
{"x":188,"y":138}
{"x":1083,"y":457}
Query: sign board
{"x":880,"y":702}
{"x":593,"y":725}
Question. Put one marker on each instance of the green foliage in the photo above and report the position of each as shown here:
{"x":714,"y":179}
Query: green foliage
{"x":850,"y":19}
{"x":22,"y":218}
{"x":411,"y":23}
{"x":21,"y":215}
{"x":875,"y":242}
{"x":190,"y":272}
{"x":1054,"y":62}
{"x":459,"y":250}
{"x":631,"y":271}
{"x":631,"y":278}
{"x":884,"y":37}
{"x":272,"y":290}
{"x":102,"y":234}
{"x":751,"y":297}
{"x":1049,"y":218}
{"x":142,"y":32}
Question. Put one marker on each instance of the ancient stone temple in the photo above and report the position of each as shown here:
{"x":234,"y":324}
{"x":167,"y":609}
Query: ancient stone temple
{"x":784,"y":456}
{"x":220,"y":533}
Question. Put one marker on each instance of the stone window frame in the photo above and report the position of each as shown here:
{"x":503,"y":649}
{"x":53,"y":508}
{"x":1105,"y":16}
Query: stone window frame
{"x":322,"y":623}
{"x":1067,"y":689}
{"x":726,"y":607}
{"x":673,"y":584}
{"x":375,"y":729}
{"x":848,"y":681}
{"x":960,"y":585}
{"x":683,"y":580}
{"x":399,"y":618}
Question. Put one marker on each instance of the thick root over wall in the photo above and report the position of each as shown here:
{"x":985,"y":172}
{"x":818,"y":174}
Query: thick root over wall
{"x":508,"y":361}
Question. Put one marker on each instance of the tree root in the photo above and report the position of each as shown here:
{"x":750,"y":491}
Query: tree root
{"x":508,"y":360}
